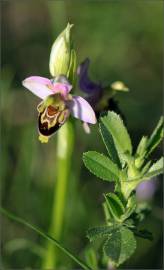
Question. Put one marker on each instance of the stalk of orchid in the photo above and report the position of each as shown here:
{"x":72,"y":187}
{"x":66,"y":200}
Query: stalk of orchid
{"x":54,"y":116}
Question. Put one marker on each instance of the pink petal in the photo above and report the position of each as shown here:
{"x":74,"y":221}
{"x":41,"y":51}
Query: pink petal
{"x":81,"y":109}
{"x":39,"y":86}
{"x":62,"y":88}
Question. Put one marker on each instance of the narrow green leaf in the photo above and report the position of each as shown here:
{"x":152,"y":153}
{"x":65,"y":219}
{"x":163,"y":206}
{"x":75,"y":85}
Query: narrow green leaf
{"x":99,"y":232}
{"x":158,"y":165}
{"x":109,"y":143}
{"x":142,"y":146}
{"x":120,"y":245}
{"x":156,"y":137}
{"x":101,"y":166}
{"x":155,"y":169}
{"x":130,"y":208}
{"x":118,"y":131}
{"x":150,"y":175}
{"x":146,"y":167}
{"x":108,"y":216}
{"x":46,"y":236}
{"x":115,"y":205}
{"x":145,"y":177}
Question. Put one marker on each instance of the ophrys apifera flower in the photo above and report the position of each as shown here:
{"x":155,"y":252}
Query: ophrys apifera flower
{"x":57,"y":104}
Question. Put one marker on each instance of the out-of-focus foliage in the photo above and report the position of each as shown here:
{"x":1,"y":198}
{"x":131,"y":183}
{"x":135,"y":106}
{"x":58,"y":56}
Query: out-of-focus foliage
{"x":123,"y":39}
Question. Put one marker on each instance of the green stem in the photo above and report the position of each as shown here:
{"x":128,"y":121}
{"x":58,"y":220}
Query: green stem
{"x":46,"y":236}
{"x":65,"y":143}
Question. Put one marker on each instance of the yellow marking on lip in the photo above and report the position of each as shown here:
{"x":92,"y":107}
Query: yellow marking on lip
{"x":43,"y":139}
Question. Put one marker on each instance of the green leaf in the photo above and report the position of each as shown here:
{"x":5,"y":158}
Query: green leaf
{"x":142,"y":146}
{"x":46,"y":236}
{"x":156,"y":137}
{"x":158,"y":165}
{"x":115,"y":205}
{"x":99,"y":232}
{"x":146,"y":167}
{"x":120,"y":245}
{"x":130,"y":208}
{"x":150,"y":175}
{"x":108,"y":216}
{"x":109,"y":143}
{"x":155,"y":169}
{"x":101,"y":166}
{"x":118,"y":131}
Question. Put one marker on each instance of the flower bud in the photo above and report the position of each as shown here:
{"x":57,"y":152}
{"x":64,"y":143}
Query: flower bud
{"x":119,"y":86}
{"x":60,"y":55}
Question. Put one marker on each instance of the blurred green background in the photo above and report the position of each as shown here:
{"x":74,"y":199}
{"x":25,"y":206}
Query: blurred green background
{"x":123,"y":39}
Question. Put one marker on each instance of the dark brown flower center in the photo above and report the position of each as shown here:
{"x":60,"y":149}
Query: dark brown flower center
{"x":51,"y":119}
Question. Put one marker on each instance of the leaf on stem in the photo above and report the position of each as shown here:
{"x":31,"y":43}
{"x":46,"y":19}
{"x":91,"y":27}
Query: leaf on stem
{"x":156,"y":137}
{"x":150,"y":174}
{"x":142,"y":146}
{"x":154,"y":170}
{"x":158,"y":165}
{"x":101,"y":166}
{"x":115,"y":206}
{"x":119,"y":133}
{"x":101,"y":231}
{"x":120,"y":245}
{"x":46,"y":236}
{"x":130,"y":208}
{"x":109,"y":143}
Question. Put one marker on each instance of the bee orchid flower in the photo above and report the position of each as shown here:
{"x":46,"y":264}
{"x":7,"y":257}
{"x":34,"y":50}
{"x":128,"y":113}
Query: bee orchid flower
{"x":57,"y":104}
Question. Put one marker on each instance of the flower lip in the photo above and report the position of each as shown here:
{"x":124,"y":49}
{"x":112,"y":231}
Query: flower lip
{"x":44,"y":130}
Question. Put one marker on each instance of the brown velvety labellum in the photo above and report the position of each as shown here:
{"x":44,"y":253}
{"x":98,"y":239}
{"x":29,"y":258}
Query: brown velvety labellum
{"x":43,"y":127}
{"x":51,"y":111}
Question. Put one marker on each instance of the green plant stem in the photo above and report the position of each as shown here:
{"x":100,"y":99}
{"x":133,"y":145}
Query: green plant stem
{"x":46,"y":236}
{"x":65,"y":143}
